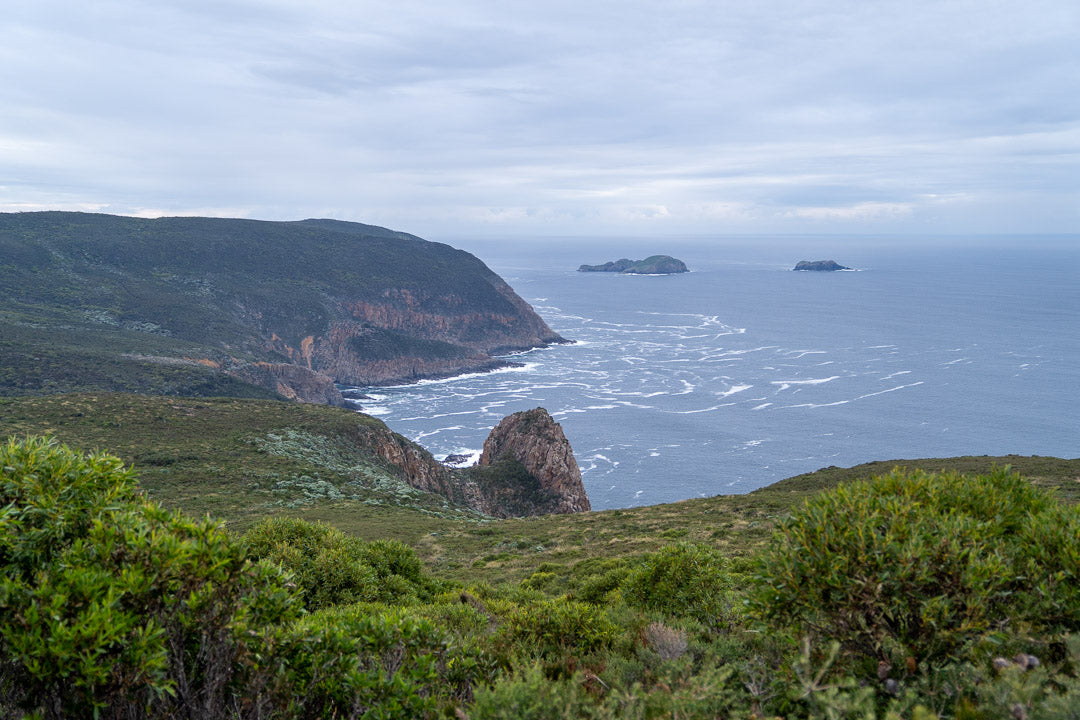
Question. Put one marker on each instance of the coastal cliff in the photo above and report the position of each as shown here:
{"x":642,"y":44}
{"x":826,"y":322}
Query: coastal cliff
{"x":290,"y":307}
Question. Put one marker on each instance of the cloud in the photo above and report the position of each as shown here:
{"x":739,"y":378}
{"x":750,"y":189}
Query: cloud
{"x":549,"y":117}
{"x":858,"y":211}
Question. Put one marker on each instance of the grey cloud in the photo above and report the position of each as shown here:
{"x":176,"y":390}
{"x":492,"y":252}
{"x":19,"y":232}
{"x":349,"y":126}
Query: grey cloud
{"x":535,"y":117}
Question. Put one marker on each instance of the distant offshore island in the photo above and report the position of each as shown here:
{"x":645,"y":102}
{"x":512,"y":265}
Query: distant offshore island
{"x":820,"y":265}
{"x":653,"y":265}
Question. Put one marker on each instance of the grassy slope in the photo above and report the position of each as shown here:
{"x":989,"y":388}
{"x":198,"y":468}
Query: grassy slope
{"x":241,"y":460}
{"x":238,"y":460}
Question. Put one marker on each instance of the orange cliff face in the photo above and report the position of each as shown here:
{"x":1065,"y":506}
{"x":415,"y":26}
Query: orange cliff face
{"x":408,"y":335}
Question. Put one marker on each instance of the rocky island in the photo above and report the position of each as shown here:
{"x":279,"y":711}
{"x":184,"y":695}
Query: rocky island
{"x":653,"y":265}
{"x":820,"y":265}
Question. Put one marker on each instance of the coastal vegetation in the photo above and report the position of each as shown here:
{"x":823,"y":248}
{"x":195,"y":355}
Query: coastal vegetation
{"x":178,"y":542}
{"x":946,"y":588}
{"x":242,"y":308}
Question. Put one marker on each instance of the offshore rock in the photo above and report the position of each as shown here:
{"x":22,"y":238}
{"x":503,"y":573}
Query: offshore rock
{"x":528,"y":468}
{"x":653,"y":265}
{"x":820,"y":265}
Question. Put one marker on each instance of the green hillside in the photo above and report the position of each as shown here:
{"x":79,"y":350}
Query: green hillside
{"x":241,"y":460}
{"x":950,"y":591}
{"x":171,"y":305}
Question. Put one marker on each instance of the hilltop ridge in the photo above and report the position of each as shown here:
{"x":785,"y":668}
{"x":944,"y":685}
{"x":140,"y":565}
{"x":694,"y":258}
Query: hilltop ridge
{"x":210,"y":306}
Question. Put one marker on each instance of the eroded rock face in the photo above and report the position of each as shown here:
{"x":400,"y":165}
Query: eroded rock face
{"x":290,"y":381}
{"x":537,"y":445}
{"x":527,"y":468}
{"x":417,"y":466}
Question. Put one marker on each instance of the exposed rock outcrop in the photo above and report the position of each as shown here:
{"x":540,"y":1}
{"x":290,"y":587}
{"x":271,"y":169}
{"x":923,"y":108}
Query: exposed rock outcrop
{"x":417,"y":466}
{"x":653,"y":265}
{"x":527,"y":468}
{"x":820,"y":265}
{"x":528,"y":465}
{"x":294,"y":382}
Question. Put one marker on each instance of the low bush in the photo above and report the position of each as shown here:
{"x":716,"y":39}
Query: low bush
{"x":113,"y":607}
{"x":530,"y":695}
{"x":557,"y":631}
{"x":911,"y":568}
{"x":682,"y":580}
{"x":351,"y":662}
{"x":333,"y":568}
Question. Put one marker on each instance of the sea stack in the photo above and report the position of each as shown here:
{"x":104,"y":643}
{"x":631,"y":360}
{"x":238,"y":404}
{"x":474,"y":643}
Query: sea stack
{"x":534,"y":445}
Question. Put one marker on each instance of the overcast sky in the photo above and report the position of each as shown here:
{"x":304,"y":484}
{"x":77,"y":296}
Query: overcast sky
{"x":499,"y":117}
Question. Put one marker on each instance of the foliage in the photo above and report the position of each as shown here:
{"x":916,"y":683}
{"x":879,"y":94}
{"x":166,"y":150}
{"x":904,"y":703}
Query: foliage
{"x":332,"y":568}
{"x":532,"y":696}
{"x":356,"y":663}
{"x":560,"y":631}
{"x":108,"y":600}
{"x":682,"y":580}
{"x":109,"y":603}
{"x":920,"y":565}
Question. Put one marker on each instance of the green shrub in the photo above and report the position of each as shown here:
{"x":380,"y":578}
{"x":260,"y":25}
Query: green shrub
{"x":350,"y":662}
{"x":593,"y":579}
{"x":555,"y":629}
{"x":333,"y":568}
{"x":681,"y":580}
{"x":921,"y":565}
{"x":531,"y":696}
{"x":111,"y":606}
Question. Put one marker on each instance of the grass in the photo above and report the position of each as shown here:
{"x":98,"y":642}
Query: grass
{"x":236,"y":460}
{"x":241,"y":460}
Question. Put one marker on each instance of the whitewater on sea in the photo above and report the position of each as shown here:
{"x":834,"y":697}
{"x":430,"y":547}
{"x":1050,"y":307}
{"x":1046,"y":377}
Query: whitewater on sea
{"x":736,"y":375}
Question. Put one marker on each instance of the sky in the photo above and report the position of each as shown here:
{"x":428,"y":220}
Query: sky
{"x":584,"y":117}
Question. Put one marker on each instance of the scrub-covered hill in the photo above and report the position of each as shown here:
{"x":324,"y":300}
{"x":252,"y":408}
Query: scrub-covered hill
{"x":207,"y":306}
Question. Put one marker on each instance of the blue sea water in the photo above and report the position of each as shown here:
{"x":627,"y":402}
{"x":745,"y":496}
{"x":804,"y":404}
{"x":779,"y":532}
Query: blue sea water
{"x":743,"y":372}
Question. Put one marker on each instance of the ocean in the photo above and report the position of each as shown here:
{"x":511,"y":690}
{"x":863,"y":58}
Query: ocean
{"x":743,"y":372}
